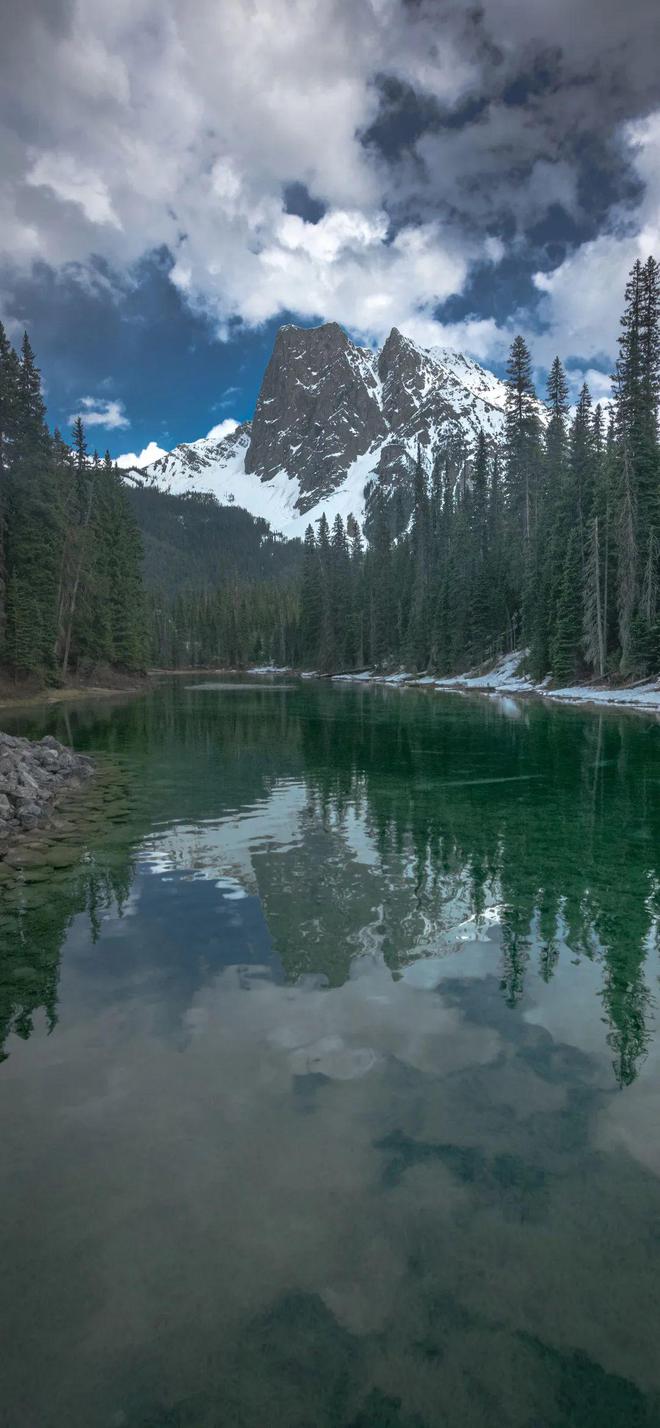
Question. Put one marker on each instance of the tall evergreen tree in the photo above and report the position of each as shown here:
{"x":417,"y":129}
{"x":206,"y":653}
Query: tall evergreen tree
{"x":522,"y":439}
{"x":311,"y":600}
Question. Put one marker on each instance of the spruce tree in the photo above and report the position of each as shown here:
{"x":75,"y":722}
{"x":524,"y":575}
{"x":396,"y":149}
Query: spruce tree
{"x":522,"y":439}
{"x":310,"y":600}
{"x":31,"y":431}
{"x":340,"y":595}
{"x":567,"y":635}
{"x":418,"y":633}
{"x":481,"y":594}
{"x":637,"y":383}
{"x":582,"y":466}
{"x":327,"y":646}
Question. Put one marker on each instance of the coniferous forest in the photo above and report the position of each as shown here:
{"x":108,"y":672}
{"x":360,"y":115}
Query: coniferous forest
{"x":547,"y":541}
{"x":70,"y":552}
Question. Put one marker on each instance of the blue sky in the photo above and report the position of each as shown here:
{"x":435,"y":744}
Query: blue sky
{"x":178,"y":180}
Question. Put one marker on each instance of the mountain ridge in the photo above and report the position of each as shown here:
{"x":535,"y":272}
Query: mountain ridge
{"x":335,"y":422}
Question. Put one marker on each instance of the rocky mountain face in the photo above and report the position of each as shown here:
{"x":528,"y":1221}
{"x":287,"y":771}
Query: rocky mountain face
{"x":318,"y":409}
{"x":334,"y":423}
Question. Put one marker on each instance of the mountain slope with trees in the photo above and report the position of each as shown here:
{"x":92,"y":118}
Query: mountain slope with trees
{"x":544,"y":534}
{"x":547,"y":539}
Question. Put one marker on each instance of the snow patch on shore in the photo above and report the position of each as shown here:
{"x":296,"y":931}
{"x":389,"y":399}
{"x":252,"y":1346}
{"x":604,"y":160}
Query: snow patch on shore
{"x":506,"y":678}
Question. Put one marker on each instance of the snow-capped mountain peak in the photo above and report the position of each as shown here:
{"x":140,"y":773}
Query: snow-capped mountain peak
{"x":332,"y":421}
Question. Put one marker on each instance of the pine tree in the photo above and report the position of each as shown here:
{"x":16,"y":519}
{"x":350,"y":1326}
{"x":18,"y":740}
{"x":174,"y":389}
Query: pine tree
{"x":380,"y":593}
{"x":418,"y":632}
{"x":557,"y":404}
{"x":357,"y":593}
{"x":340,"y":595}
{"x":31,"y":431}
{"x":25,"y":636}
{"x":595,"y":607}
{"x":327,"y":648}
{"x":33,"y":528}
{"x":9,"y":388}
{"x":522,"y":439}
{"x":543,"y":569}
{"x":582,"y":465}
{"x":567,"y":634}
{"x":481,"y":572}
{"x":310,"y":600}
{"x":637,"y":384}
{"x":79,"y":444}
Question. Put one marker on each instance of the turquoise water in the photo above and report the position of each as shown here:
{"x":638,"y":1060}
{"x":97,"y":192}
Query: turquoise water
{"x":331,"y":1090}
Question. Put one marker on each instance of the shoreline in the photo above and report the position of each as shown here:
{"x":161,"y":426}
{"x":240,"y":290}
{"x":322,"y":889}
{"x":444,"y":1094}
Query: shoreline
{"x":33,"y":698}
{"x":504,"y":681}
{"x":501,"y":681}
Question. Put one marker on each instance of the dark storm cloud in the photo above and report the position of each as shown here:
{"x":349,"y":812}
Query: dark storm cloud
{"x":551,"y":84}
{"x":442,"y":166}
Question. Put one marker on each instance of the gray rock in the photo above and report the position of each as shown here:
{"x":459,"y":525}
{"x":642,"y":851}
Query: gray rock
{"x":325,"y":401}
{"x":28,"y":813}
{"x":48,"y":758}
{"x":32,"y":776}
{"x":317,"y":409}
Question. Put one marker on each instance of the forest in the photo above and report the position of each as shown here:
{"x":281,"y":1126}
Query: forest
{"x":71,"y":589}
{"x":547,"y":541}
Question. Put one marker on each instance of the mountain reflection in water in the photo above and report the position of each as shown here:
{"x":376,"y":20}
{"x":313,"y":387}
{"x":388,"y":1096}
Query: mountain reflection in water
{"x":332,"y":1074}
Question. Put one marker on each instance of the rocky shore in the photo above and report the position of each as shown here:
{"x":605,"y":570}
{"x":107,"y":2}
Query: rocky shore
{"x":32,"y":777}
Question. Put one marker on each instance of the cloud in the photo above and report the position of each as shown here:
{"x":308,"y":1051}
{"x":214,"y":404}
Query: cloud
{"x":73,"y":184}
{"x":165,"y":124}
{"x":582,"y":299}
{"x":101,"y":412}
{"x":599,"y":384}
{"x":222,"y":429}
{"x":151,"y":452}
{"x":228,"y":396}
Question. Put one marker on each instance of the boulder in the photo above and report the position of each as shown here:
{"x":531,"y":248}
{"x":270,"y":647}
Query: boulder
{"x":32,"y":776}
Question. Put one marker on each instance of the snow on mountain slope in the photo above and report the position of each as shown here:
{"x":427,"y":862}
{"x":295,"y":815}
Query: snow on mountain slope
{"x":332,"y":419}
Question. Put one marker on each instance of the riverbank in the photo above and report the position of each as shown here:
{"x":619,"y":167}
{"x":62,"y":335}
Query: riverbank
{"x":32,"y":778}
{"x":505,"y":679}
{"x":102,"y":683}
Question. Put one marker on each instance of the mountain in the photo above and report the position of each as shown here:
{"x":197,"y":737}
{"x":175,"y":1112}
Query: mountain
{"x":333,"y":423}
{"x":191,"y":542}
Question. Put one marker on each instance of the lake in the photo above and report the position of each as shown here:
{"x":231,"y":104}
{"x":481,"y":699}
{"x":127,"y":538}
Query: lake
{"x":331,"y":1083}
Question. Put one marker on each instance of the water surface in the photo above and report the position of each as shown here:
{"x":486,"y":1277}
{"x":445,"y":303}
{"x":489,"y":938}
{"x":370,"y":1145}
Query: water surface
{"x":331,"y":1092}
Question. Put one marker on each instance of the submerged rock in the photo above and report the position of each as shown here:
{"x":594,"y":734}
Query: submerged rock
{"x":32,"y":777}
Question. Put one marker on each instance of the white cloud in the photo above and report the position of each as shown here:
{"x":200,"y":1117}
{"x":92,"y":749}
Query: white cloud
{"x":101,"y":412}
{"x":582,"y":299}
{"x":162,"y":122}
{"x":74,"y":183}
{"x":222,"y":429}
{"x":148,"y":132}
{"x":151,"y":452}
{"x":599,"y":384}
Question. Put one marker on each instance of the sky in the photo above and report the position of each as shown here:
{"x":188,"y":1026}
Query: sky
{"x":177,"y":179}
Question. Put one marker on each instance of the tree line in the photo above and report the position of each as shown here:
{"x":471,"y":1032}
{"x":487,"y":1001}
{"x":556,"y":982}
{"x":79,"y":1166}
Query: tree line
{"x":70,"y":551}
{"x":546,"y":540}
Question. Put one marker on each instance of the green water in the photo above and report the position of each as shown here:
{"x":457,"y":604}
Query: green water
{"x":331,"y":1090}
